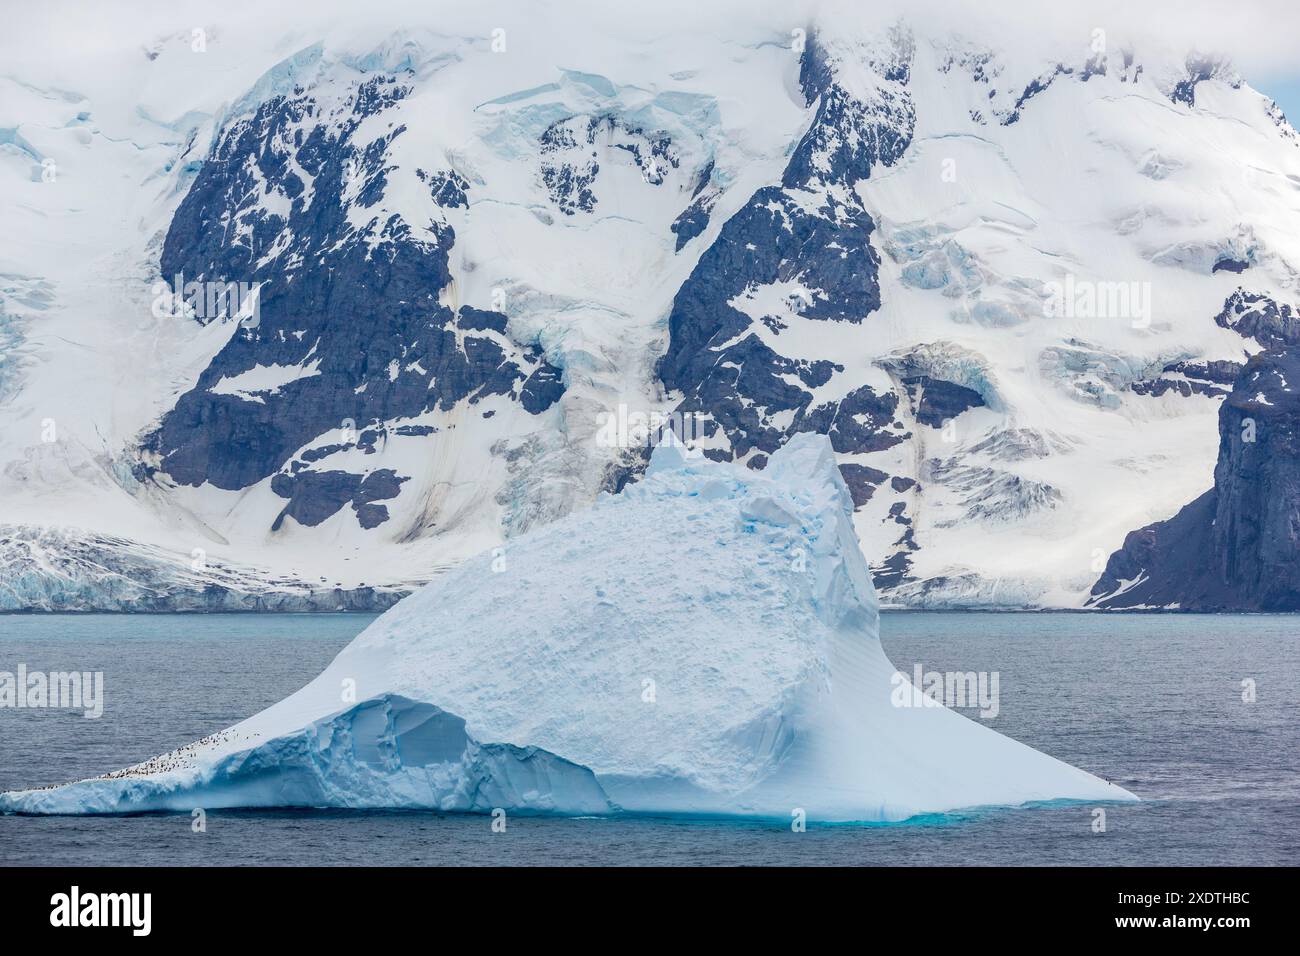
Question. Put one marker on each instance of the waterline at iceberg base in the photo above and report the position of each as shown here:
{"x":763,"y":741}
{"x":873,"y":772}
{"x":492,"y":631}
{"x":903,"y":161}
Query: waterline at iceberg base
{"x":705,"y":642}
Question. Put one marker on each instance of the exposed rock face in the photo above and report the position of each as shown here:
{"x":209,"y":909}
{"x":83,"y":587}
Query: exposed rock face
{"x":351,"y":329}
{"x":1200,"y":69}
{"x":1237,"y":546}
{"x":1251,"y":315}
{"x":937,"y":401}
{"x":1214,"y":377}
{"x":809,"y":238}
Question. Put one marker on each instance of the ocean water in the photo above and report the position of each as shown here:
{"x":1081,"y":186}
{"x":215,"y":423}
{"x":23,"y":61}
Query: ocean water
{"x":1151,"y":702}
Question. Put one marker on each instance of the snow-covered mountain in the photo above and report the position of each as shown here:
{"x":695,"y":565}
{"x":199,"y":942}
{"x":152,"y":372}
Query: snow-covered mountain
{"x":298,"y":312}
{"x":1234,"y":547}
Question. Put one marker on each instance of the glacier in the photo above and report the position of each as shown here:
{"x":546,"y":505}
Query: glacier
{"x":706,"y":643}
{"x":72,"y":570}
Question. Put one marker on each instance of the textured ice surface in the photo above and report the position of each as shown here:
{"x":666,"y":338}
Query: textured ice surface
{"x":704,"y":642}
{"x":386,"y":752}
{"x":71,"y":569}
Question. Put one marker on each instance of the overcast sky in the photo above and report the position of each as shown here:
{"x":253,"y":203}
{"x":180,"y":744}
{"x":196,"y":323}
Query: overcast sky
{"x":1260,"y":36}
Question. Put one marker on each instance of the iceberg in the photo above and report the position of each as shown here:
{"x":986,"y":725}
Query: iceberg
{"x":705,"y":642}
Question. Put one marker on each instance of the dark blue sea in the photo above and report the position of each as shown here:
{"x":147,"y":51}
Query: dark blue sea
{"x":1151,"y":702}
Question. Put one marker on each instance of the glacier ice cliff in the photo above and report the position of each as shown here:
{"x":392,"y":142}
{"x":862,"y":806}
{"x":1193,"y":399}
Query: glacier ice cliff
{"x":705,"y":642}
{"x":72,"y":569}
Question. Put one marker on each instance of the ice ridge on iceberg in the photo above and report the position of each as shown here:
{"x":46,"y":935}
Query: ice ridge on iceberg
{"x":705,"y":642}
{"x":387,"y":752}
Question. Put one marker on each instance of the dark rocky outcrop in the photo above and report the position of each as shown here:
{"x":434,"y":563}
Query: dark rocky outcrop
{"x":317,"y":495}
{"x":570,"y":150}
{"x":1213,"y":378}
{"x":1228,"y":264}
{"x":695,"y":217}
{"x":1236,"y":547}
{"x":290,"y":201}
{"x":862,"y":481}
{"x":1199,"y":69}
{"x":1268,"y":322}
{"x":812,"y":229}
{"x":937,"y":400}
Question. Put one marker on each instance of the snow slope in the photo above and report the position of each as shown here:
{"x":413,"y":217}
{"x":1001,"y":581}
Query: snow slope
{"x":479,"y":235}
{"x":705,"y":642}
